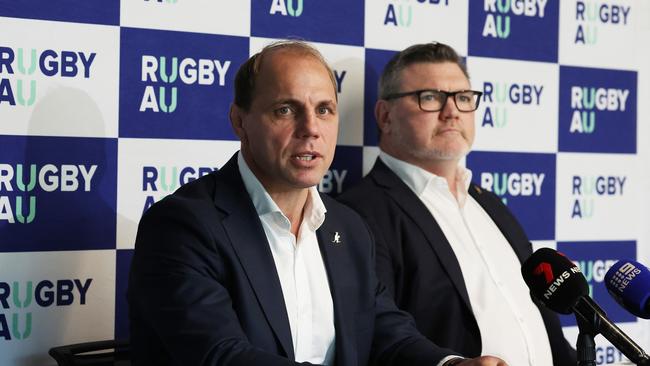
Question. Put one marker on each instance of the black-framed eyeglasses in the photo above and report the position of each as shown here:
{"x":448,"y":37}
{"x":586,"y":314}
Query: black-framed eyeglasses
{"x":432,"y":100}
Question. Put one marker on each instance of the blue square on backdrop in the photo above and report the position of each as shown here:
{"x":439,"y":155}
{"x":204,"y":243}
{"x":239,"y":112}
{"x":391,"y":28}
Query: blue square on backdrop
{"x":526,"y":184}
{"x":76,"y":11}
{"x":123,"y":266}
{"x":514,"y":29}
{"x":58,"y":198}
{"x":597,"y":110}
{"x":178,"y":84}
{"x":375,"y":62}
{"x":334,"y":21}
{"x":344,"y":172}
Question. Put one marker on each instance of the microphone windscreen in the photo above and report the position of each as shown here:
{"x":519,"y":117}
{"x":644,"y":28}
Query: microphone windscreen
{"x":628,"y":282}
{"x":554,"y":280}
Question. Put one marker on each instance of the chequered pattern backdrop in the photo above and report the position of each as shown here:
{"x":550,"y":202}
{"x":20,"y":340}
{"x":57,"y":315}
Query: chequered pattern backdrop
{"x":105,"y":107}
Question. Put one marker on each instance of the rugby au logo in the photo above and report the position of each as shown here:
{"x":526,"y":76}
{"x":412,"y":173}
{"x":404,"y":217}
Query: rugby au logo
{"x":513,"y":184}
{"x":164,"y":180}
{"x":167,"y":72}
{"x":590,"y":14}
{"x":586,"y":187}
{"x":48,"y":178}
{"x":19,"y":67}
{"x":585,"y":101}
{"x":399,"y":13}
{"x":292,"y":8}
{"x":497,"y":17}
{"x":598,"y":110}
{"x":19,"y":299}
{"x":497,"y":96}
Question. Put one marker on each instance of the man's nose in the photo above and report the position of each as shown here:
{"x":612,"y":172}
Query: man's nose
{"x":308,"y":125}
{"x":449,"y":109}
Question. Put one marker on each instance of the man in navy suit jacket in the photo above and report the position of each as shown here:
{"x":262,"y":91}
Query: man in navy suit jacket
{"x":243,"y":266}
{"x":448,"y":251}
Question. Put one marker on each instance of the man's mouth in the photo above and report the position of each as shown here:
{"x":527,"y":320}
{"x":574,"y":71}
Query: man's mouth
{"x":305,"y":157}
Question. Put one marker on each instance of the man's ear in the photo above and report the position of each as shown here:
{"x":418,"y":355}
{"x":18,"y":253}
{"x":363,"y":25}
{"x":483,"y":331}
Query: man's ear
{"x":236,"y":116}
{"x":382,"y":115}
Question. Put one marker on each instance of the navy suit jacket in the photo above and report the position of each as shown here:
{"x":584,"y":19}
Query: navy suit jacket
{"x":204,"y":290}
{"x":419,"y":268}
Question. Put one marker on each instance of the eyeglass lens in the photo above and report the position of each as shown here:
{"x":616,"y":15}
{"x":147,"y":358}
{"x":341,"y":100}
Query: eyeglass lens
{"x":433,"y":100}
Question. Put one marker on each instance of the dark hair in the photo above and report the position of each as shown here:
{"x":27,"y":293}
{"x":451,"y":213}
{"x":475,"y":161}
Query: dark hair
{"x":249,"y":70}
{"x":427,"y":52}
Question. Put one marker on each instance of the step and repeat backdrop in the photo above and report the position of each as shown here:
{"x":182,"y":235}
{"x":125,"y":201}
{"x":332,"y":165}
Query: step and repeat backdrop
{"x":106,"y":107}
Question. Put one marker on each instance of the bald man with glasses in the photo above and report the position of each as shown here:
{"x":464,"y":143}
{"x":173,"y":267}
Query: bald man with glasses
{"x":448,"y":251}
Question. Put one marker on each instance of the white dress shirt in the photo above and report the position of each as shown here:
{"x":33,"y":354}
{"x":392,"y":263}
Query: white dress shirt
{"x":510,"y":324}
{"x":301,"y":270}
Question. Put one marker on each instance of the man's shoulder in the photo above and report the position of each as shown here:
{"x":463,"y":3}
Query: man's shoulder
{"x":486,"y":198}
{"x":202,"y":188}
{"x":368,"y":196}
{"x":192,"y":196}
{"x":364,"y":187}
{"x":338,"y":210}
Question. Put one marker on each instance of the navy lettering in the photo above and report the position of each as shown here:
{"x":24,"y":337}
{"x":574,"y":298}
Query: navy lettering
{"x":83,"y":289}
{"x":149,"y":177}
{"x":6,"y":58}
{"x":43,"y":297}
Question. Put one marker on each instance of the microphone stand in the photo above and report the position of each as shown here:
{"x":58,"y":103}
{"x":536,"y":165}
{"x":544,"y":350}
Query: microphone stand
{"x":592,"y":321}
{"x":585,"y":345}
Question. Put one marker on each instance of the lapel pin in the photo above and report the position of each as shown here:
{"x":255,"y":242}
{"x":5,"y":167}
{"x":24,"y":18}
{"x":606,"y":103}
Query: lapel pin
{"x":337,"y":238}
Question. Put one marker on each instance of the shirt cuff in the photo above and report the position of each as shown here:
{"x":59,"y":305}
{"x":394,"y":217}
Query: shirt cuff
{"x":444,"y":361}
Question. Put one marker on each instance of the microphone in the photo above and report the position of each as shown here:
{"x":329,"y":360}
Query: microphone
{"x":559,"y":284}
{"x":628,"y":282}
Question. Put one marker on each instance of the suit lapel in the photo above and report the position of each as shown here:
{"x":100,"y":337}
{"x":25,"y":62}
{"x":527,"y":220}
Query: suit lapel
{"x":333,"y":249}
{"x":417,"y":211}
{"x":249,"y":242}
{"x":513,"y":234}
